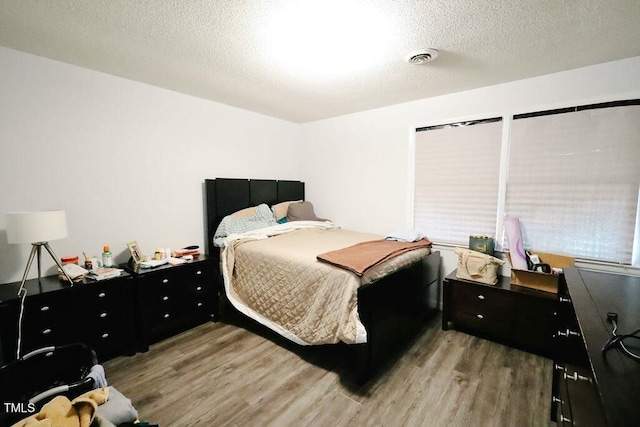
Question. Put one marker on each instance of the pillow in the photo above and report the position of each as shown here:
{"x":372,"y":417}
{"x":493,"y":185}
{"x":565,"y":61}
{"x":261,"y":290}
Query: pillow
{"x":302,"y":211}
{"x":230,"y":224}
{"x":245,"y":213}
{"x":280,"y":210}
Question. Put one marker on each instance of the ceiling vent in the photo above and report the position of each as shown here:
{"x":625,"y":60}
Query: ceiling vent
{"x":422,"y":56}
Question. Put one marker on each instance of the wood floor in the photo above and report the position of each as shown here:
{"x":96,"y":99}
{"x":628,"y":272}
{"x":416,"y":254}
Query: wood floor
{"x":234,"y":373}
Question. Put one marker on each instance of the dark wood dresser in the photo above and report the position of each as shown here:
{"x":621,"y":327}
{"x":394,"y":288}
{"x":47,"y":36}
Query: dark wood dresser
{"x":97,"y":313}
{"x":591,"y":388}
{"x":171,"y":299}
{"x":517,"y":316}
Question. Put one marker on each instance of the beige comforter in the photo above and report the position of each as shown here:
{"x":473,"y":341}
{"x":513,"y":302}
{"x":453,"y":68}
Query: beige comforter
{"x":272,"y":276}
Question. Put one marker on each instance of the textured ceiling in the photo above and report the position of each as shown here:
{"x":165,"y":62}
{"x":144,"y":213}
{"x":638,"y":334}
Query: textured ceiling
{"x":313,"y":59}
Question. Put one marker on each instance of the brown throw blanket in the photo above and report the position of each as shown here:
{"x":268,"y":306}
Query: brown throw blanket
{"x":362,"y":256}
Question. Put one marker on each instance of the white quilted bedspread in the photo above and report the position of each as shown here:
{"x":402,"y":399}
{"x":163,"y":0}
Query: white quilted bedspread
{"x":272,"y":276}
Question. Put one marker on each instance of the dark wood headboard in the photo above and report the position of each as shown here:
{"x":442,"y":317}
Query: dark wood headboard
{"x":225,"y":196}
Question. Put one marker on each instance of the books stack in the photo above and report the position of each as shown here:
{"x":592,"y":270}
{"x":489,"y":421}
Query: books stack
{"x":103,"y":273}
{"x":183,"y":252}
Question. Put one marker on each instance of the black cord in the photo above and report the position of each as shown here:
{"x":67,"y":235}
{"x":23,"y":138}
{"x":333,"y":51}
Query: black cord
{"x":618,"y":340}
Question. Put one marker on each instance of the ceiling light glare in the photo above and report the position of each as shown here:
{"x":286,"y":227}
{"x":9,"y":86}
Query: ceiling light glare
{"x":422,"y":56}
{"x":327,"y":38}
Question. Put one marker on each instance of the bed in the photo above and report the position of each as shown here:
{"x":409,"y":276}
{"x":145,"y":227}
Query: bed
{"x":388,"y":307}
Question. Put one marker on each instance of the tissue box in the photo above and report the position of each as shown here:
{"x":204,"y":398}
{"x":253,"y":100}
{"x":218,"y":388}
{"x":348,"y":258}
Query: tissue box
{"x":542,"y":281}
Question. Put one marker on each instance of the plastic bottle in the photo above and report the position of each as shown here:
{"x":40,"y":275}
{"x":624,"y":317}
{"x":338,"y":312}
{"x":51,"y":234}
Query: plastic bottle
{"x":107,"y":260}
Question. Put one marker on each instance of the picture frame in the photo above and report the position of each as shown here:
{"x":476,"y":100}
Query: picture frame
{"x":136,"y":253}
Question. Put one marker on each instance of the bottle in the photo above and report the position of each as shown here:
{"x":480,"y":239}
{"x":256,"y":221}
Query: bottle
{"x":107,"y":260}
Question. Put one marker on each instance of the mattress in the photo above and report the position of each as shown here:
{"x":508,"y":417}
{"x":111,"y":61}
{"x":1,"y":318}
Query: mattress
{"x":272,"y":275}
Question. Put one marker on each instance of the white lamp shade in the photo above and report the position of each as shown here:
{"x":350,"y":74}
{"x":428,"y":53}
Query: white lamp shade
{"x":34,"y":227}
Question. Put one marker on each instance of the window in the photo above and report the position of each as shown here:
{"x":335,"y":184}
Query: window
{"x":456,"y":180}
{"x":573,"y":181}
{"x":572,"y":176}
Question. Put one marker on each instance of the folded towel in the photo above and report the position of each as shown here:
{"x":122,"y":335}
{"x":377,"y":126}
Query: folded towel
{"x":405,"y":236}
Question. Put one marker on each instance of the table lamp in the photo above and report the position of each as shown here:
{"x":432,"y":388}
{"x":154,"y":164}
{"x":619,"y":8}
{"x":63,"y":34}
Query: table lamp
{"x":37,"y":228}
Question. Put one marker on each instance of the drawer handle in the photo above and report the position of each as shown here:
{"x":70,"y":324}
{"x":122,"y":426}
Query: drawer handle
{"x":557,"y":400}
{"x":576,"y":377}
{"x":46,"y":331}
{"x":105,"y":335}
{"x":563,"y":299}
{"x":480,"y":296}
{"x":103,"y":315}
{"x":102,"y":295}
{"x":559,"y":367}
{"x":564,"y":420}
{"x":165,"y":298}
{"x":166,"y":316}
{"x":165,"y":280}
{"x":479,"y":316}
{"x":198,"y":272}
{"x":44,"y":308}
{"x":568,"y":333}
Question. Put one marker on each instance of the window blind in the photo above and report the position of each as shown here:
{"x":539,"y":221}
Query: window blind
{"x":456,"y":180}
{"x":573,"y":180}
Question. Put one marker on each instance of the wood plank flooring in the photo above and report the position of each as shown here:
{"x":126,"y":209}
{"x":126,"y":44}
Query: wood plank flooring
{"x":235,"y":373}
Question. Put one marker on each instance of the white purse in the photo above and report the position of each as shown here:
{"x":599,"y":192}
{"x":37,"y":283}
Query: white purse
{"x":476,"y":266}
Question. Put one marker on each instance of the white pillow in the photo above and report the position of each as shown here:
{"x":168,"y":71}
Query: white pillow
{"x":245,"y":213}
{"x":280,"y":210}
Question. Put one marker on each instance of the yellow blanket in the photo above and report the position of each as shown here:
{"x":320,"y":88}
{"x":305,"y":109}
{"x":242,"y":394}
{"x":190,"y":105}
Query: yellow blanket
{"x":61,"y":412}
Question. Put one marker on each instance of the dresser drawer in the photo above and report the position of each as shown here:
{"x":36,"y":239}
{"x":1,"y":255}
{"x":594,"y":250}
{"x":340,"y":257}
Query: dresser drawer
{"x":46,"y":321}
{"x":193,"y":291}
{"x":482,"y":308}
{"x":103,"y":296}
{"x":197,"y":272}
{"x":165,"y":309}
{"x":563,"y":408}
{"x":158,"y":283}
{"x":475,"y":297}
{"x":109,"y":340}
{"x":41,"y":311}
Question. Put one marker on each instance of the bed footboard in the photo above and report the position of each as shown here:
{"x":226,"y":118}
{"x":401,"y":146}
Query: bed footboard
{"x":392,"y":310}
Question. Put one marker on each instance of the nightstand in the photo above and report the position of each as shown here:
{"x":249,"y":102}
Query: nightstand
{"x":171,"y":299}
{"x":517,"y":316}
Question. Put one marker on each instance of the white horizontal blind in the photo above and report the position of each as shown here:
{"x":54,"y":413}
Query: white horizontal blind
{"x":456,"y":181}
{"x":573,"y":181}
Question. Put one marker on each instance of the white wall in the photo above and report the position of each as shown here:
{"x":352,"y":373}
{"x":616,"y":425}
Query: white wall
{"x":358,"y":167}
{"x":125,"y":160}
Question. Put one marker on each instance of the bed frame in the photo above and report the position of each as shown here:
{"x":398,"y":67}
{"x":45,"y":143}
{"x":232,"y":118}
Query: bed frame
{"x":392,"y":309}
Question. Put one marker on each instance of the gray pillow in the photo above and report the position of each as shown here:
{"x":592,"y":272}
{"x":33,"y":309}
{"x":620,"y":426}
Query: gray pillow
{"x":302,"y":211}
